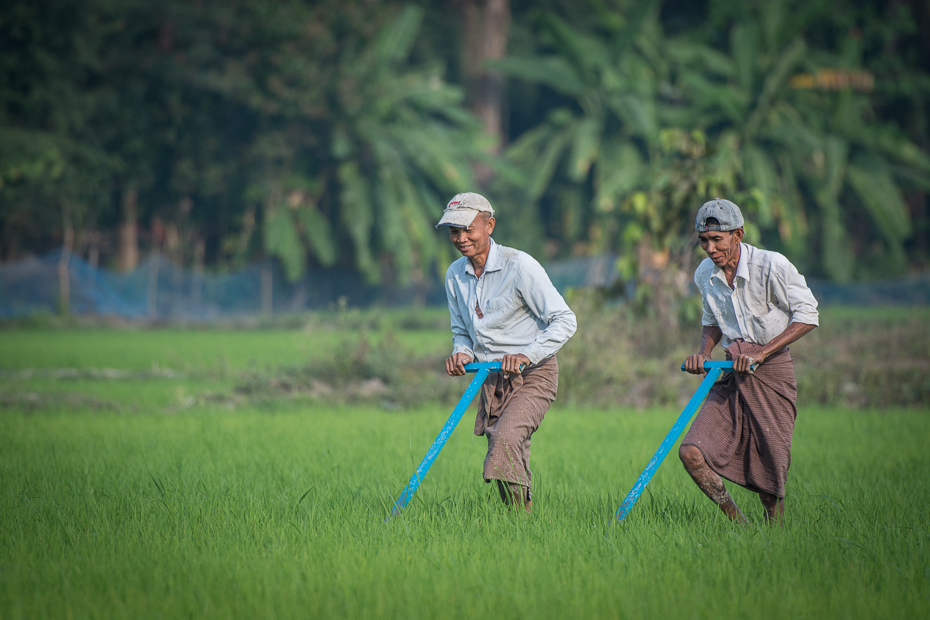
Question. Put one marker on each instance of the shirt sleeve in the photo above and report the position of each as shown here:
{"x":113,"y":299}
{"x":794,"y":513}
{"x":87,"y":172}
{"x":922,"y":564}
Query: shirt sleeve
{"x":700,"y":281}
{"x":792,"y":293}
{"x":461,"y":339}
{"x":544,"y":301}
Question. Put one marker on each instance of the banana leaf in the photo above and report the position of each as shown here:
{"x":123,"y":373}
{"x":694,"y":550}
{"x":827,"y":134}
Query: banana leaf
{"x":357,"y":216}
{"x":585,"y":145}
{"x":281,"y":239}
{"x":553,"y":71}
{"x":319,"y":234}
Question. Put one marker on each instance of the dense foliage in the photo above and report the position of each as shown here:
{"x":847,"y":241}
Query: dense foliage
{"x":331,"y":133}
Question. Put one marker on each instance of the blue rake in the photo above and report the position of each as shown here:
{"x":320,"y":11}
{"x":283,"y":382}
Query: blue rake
{"x":482,"y":370}
{"x":713,"y":371}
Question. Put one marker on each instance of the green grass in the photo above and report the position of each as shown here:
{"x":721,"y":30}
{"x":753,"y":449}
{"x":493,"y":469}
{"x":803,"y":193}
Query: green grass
{"x":188,"y":350}
{"x":249,"y":514}
{"x":165,"y":505}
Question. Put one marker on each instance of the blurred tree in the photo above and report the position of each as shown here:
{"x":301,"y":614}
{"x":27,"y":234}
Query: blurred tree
{"x":819,"y":159}
{"x":49,"y":161}
{"x":649,"y":127}
{"x":400,"y":143}
{"x":326,"y":133}
{"x":617,"y":179}
{"x":305,"y":123}
{"x":485,"y":28}
{"x":591,"y":147}
{"x":348,"y":141}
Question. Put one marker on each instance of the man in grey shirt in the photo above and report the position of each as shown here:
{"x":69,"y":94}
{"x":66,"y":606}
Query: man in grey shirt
{"x":755,"y":303}
{"x":503,"y":307}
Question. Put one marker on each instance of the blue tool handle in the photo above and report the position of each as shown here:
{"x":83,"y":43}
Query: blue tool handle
{"x":640,"y":485}
{"x":489,"y":366}
{"x":724,"y":366}
{"x":483,"y":369}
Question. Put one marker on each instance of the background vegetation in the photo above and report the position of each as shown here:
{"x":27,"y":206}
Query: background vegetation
{"x":332,"y":133}
{"x":858,"y":358}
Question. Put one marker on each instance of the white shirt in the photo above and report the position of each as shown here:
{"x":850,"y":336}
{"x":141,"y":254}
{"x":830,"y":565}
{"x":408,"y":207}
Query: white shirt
{"x":768,"y":294}
{"x":522,"y":312}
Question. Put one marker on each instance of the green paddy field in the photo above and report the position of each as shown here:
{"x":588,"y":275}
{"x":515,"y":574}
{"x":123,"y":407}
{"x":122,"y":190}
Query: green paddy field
{"x":138,"y":479}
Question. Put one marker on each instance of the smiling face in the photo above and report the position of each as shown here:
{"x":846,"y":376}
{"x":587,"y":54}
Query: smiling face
{"x":722,"y":247}
{"x":476,"y":239}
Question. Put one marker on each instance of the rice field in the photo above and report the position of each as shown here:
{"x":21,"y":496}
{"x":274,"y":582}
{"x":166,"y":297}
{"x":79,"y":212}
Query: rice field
{"x":123,"y":496}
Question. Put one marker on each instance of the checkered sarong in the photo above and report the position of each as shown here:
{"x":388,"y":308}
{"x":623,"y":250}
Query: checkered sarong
{"x":744,"y":429}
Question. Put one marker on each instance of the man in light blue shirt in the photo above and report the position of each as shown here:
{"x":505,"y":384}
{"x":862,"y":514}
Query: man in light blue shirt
{"x":503,"y":307}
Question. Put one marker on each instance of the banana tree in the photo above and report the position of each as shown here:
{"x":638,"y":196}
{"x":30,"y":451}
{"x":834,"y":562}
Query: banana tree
{"x":356,"y":147}
{"x":816,"y":158}
{"x":591,"y":152}
{"x":623,"y":176}
{"x":401,"y":143}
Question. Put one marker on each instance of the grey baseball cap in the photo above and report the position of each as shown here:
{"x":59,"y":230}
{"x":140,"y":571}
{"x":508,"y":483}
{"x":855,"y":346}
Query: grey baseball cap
{"x":726,"y":213}
{"x":463,"y":208}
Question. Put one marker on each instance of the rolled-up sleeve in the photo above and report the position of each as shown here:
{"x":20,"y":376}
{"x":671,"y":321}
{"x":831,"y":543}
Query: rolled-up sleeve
{"x":544,"y":300}
{"x":791,"y":290}
{"x":700,"y":281}
{"x":461,"y":339}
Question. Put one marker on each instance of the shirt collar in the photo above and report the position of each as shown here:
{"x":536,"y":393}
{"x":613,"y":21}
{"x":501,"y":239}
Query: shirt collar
{"x":493,"y":263}
{"x":742,"y":267}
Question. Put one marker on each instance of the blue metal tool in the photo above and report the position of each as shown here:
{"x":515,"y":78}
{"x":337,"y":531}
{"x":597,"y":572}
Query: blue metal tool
{"x":482,"y":370}
{"x":713,"y":371}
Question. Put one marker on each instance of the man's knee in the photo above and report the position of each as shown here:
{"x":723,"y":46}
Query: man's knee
{"x":690,"y":457}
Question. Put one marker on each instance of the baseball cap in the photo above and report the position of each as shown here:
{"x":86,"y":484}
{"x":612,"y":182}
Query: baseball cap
{"x":725,"y":212}
{"x":462,"y":209}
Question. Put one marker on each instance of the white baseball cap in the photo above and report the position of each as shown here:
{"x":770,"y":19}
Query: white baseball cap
{"x":463,"y":208}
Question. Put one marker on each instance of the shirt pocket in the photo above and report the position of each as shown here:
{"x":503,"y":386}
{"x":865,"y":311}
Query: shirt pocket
{"x":501,"y":306}
{"x":766,"y":326}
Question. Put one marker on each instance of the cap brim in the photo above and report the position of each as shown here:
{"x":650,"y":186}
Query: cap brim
{"x":458,"y":218}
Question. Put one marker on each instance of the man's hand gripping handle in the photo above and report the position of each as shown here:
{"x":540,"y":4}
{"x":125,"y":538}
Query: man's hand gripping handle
{"x":708,"y":364}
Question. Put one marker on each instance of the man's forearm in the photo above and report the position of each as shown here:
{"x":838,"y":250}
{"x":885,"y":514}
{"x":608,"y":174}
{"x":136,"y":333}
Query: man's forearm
{"x":710,"y":336}
{"x":792,"y":334}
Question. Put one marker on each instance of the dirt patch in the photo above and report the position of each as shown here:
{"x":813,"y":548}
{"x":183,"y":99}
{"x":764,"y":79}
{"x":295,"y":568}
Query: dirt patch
{"x":32,"y":402}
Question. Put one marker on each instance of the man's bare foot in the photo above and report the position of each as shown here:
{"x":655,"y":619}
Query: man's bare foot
{"x":514,"y":494}
{"x":774,"y":507}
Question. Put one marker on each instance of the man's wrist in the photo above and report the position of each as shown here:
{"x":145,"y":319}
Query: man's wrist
{"x":532,"y":354}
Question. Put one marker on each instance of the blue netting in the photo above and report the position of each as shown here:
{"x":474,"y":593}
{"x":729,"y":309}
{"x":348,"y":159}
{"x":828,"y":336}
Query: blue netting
{"x":160,"y":290}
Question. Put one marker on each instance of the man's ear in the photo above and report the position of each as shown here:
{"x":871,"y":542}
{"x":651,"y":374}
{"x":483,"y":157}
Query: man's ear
{"x":490,"y":223}
{"x":739,"y":232}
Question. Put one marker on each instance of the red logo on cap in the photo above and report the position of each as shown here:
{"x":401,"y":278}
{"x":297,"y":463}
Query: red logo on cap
{"x":456,"y":202}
